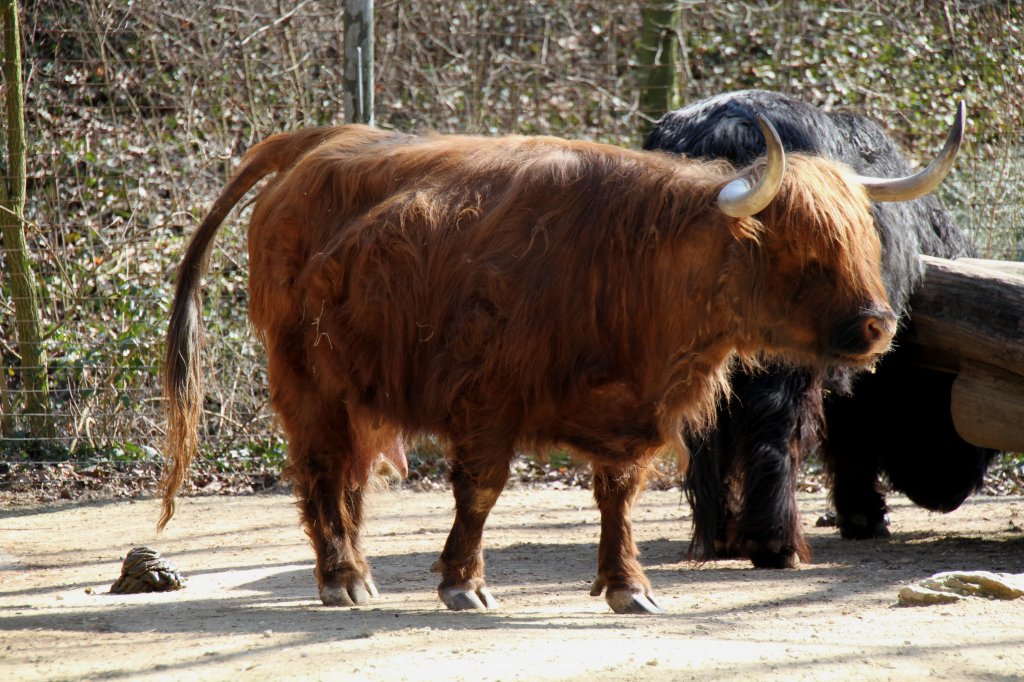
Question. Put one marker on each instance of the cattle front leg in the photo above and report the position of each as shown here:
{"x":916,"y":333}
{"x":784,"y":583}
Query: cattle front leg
{"x":476,"y":483}
{"x":769,"y":416}
{"x":619,"y":574}
{"x":769,"y":529}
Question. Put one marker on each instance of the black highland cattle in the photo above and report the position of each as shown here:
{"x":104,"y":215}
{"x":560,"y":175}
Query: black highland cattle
{"x":893,"y":424}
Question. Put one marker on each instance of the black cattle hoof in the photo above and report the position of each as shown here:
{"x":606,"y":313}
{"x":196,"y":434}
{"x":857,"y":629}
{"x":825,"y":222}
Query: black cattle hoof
{"x":826,"y":520}
{"x":726,"y":550}
{"x":787,"y":559}
{"x":857,"y":527}
{"x":771,"y":554}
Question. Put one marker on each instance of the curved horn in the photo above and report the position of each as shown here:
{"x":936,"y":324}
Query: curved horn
{"x":922,"y":182}
{"x":738,"y":198}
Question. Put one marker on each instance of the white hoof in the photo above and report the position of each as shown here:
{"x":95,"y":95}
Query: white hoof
{"x":464,"y":599}
{"x":358,"y":593}
{"x":632,"y":602}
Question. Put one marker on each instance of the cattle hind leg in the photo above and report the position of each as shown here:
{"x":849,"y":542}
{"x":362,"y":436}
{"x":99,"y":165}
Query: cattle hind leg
{"x":332,"y":516}
{"x":331,"y":508}
{"x":478,"y":476}
{"x":324,"y":470}
{"x":619,"y":574}
{"x":706,"y":490}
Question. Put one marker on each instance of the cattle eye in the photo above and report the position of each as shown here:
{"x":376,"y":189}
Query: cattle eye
{"x":814,"y":279}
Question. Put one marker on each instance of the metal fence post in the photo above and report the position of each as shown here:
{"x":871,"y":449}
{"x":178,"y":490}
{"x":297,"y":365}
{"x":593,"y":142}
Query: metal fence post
{"x":358,"y":21}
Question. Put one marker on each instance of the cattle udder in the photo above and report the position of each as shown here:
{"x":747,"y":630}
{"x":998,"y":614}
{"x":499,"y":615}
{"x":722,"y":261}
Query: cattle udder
{"x":515,"y":293}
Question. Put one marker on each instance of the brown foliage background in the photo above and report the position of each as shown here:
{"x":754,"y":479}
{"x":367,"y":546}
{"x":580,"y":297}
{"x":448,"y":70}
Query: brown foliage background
{"x":138,"y":110}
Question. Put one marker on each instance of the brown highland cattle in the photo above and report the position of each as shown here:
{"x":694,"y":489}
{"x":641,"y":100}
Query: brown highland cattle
{"x":518,"y":292}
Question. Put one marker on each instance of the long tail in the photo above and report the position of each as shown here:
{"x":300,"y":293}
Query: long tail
{"x":183,"y":386}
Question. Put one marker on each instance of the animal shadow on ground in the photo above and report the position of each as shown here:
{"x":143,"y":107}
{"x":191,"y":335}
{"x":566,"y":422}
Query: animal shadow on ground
{"x":285,"y":601}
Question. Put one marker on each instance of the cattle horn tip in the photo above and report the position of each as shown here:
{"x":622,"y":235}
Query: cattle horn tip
{"x":925,"y":181}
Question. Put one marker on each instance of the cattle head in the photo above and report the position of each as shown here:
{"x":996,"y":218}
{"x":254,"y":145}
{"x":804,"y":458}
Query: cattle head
{"x":808,"y":279}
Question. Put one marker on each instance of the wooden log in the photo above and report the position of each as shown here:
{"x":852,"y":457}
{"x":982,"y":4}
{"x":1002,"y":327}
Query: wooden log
{"x":1009,"y":267}
{"x":968,"y":317}
{"x":988,"y":406}
{"x":968,"y":309}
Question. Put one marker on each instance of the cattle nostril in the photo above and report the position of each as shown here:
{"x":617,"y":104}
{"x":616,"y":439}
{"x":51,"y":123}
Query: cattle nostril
{"x":874,"y":329}
{"x":879,"y":329}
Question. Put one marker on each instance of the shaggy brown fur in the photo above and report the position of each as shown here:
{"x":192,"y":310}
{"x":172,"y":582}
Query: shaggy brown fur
{"x":513,"y":292}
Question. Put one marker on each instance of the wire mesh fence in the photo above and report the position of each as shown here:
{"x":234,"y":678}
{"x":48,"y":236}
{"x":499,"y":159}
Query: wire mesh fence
{"x":138,"y":110}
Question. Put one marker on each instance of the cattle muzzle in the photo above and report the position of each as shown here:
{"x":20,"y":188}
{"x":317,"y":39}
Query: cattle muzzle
{"x":863,"y":337}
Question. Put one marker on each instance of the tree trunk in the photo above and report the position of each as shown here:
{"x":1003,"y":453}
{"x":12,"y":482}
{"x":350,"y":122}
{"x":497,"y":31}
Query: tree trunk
{"x":656,"y":56}
{"x":12,"y":228}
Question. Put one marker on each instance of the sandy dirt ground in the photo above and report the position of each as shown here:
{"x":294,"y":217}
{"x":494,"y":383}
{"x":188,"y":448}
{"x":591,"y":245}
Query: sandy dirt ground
{"x":249,"y":610}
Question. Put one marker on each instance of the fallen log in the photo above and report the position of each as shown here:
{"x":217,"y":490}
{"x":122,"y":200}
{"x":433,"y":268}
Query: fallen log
{"x":968,"y":317}
{"x":1009,"y":267}
{"x":988,"y":406}
{"x":968,"y":309}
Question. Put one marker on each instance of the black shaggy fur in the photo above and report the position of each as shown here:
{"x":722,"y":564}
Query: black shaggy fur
{"x":895,"y":422}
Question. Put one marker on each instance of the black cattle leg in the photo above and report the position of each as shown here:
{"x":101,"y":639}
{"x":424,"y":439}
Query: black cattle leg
{"x":768,"y":411}
{"x":898,"y":423}
{"x":707,"y":491}
{"x":923,"y":456}
{"x":850,"y":459}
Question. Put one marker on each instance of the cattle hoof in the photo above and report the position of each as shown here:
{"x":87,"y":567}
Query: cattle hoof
{"x":632,"y":602}
{"x":876,"y":532}
{"x":775,"y":559}
{"x":358,"y":593}
{"x":857,"y":527}
{"x":465,"y":599}
{"x":826,"y":520}
{"x":771,"y":554}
